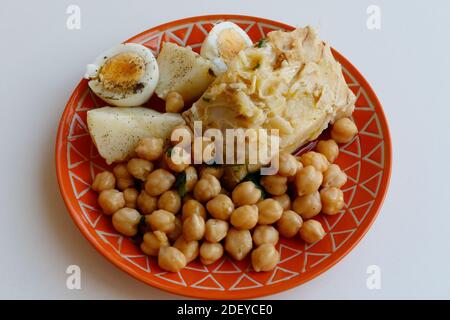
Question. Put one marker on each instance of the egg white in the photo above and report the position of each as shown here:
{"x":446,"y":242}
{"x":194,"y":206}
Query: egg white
{"x":210,"y":46}
{"x":149,"y":79}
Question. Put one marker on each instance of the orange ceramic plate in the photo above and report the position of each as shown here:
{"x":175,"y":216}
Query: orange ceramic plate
{"x":366,"y":160}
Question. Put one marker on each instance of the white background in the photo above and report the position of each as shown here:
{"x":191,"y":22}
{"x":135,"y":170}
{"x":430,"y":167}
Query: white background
{"x":407,"y":63}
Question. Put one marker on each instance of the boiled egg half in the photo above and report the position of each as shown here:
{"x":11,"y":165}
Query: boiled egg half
{"x":124,"y":76}
{"x":223,"y":43}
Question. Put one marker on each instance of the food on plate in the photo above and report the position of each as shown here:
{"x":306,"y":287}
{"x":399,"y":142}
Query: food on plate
{"x":265,"y":257}
{"x":269,"y":210}
{"x":334,"y":177}
{"x":275,"y":185}
{"x":126,"y":221}
{"x":183,"y":71}
{"x":215,"y":230}
{"x":171,"y":259}
{"x":223,"y":43}
{"x":238,"y":243}
{"x":289,"y":224}
{"x":312,"y":231}
{"x":153,"y":241}
{"x":308,"y":180}
{"x":343,"y":130}
{"x":174,"y":102}
{"x":332,"y":200}
{"x":308,"y":206}
{"x":245,"y":217}
{"x":210,"y":252}
{"x":130,"y":196}
{"x":190,"y":249}
{"x":110,"y":201}
{"x":182,"y":211}
{"x":291,"y":82}
{"x":116,"y":131}
{"x":124,"y":76}
{"x":104,"y":181}
{"x":329,"y":148}
{"x":314,"y":159}
{"x":265,"y":234}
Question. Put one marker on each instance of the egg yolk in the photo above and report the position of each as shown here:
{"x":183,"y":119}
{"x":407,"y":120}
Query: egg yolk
{"x":230,"y":42}
{"x":122,"y":72}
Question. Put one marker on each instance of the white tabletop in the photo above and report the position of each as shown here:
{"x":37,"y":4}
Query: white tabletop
{"x":406,"y":62}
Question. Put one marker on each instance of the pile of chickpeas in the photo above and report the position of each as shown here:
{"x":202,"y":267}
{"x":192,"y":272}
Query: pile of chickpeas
{"x":207,"y":220}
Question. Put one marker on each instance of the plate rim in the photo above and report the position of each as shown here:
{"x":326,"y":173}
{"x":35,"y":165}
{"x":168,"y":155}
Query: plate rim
{"x":338,"y":255}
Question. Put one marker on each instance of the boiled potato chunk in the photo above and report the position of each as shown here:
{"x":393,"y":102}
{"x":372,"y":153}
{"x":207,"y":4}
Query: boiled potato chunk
{"x":116,"y":131}
{"x":183,"y":71}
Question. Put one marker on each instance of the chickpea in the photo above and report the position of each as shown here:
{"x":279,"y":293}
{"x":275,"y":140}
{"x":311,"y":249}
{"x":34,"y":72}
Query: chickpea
{"x":158,"y":182}
{"x":182,"y":136}
{"x":153,"y":241}
{"x":150,"y":149}
{"x":104,"y":181}
{"x":110,"y":201}
{"x":269,"y":211}
{"x":171,"y":259}
{"x":146,"y":203}
{"x":210,"y":252}
{"x":299,"y":167}
{"x":191,"y":178}
{"x":265,"y":257}
{"x":215,"y":230}
{"x":312,"y":231}
{"x":124,"y":179}
{"x":207,"y":188}
{"x":232,"y":175}
{"x":289,"y":224}
{"x":177,"y":159}
{"x":174,"y":102}
{"x":194,"y":228}
{"x":315,"y":159}
{"x":126,"y":221}
{"x":192,"y":207}
{"x":334,"y":177}
{"x":332,"y":200}
{"x":161,"y":220}
{"x":329,"y":149}
{"x":308,"y":180}
{"x":245,"y":193}
{"x":220,"y":207}
{"x":238,"y":243}
{"x":275,"y":185}
{"x":343,"y":130}
{"x":170,"y":201}
{"x":177,"y":231}
{"x":245,"y":217}
{"x":288,"y":164}
{"x":215,"y":171}
{"x":284,"y":200}
{"x":130,"y":195}
{"x":139,"y":168}
{"x":190,"y":249}
{"x":265,"y":234}
{"x":308,"y":206}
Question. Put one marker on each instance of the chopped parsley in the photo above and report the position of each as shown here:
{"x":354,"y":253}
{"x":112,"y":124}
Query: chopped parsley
{"x":180,"y":184}
{"x":261,"y":43}
{"x":206,"y":99}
